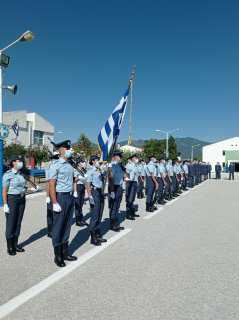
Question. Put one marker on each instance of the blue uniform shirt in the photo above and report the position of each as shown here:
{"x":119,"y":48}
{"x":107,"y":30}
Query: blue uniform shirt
{"x":14,"y":181}
{"x":63,"y":173}
{"x":151,"y":169}
{"x":117,"y":174}
{"x":141,"y":170}
{"x":169,"y":168}
{"x":161,"y":170}
{"x":185,"y":168}
{"x":94,"y":176}
{"x":132,"y":171}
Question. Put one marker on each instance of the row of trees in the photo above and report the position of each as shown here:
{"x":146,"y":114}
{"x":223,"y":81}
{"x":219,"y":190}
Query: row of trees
{"x":86,"y":147}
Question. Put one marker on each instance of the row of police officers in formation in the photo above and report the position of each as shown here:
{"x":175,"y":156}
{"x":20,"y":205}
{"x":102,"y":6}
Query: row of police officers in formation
{"x":69,"y":181}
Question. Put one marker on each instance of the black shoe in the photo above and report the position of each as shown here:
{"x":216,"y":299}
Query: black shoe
{"x":94,"y":240}
{"x":115,"y":228}
{"x":129,"y":217}
{"x":65,"y":253}
{"x":99,"y":236}
{"x":17,"y":247}
{"x":136,"y":215}
{"x":81,"y":223}
{"x":10,"y":247}
{"x":59,"y":261}
{"x":49,"y":234}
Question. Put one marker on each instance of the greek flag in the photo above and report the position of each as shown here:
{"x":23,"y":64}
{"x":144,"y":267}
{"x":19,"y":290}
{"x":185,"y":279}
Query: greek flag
{"x":109,"y":133}
{"x":15,"y":128}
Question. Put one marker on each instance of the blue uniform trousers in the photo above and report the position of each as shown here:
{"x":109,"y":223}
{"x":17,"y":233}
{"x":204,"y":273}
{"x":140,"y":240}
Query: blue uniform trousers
{"x":62,"y":220}
{"x":97,"y":209}
{"x":160,"y":192}
{"x":115,"y":203}
{"x":140,"y":189}
{"x":16,"y":205}
{"x":49,"y":217}
{"x":79,"y":201}
{"x":131,"y":190}
{"x":150,"y":190}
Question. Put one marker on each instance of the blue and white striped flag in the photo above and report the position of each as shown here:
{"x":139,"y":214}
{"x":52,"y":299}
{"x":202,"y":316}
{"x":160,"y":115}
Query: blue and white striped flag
{"x":15,"y":128}
{"x":109,"y":133}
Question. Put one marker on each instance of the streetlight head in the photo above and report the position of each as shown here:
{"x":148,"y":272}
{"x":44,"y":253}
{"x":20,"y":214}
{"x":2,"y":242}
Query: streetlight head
{"x":12,"y":88}
{"x":27,"y":36}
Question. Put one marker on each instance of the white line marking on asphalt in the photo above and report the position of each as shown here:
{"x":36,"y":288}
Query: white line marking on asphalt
{"x":151,"y":215}
{"x":30,"y":293}
{"x":185,"y":193}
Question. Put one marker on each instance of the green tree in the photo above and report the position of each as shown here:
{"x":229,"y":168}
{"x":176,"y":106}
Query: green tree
{"x":84,"y":146}
{"x":14,"y":149}
{"x":154,"y":147}
{"x":172,"y":148}
{"x":40,"y":154}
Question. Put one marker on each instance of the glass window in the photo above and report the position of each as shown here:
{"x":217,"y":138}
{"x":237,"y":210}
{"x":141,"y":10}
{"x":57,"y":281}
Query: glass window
{"x":38,"y":138}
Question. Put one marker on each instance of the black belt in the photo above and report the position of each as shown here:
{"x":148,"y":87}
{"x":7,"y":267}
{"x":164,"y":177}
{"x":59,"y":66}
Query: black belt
{"x":16,"y":195}
{"x":65,"y":193}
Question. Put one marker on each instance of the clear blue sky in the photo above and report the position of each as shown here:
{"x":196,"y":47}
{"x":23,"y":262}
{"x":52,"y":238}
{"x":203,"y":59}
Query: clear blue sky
{"x":73,"y":73}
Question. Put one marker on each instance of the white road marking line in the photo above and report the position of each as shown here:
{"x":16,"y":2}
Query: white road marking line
{"x":30,"y":293}
{"x":151,"y":215}
{"x":185,"y":193}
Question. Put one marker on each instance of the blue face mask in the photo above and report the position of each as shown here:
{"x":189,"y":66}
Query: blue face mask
{"x":68,"y":154}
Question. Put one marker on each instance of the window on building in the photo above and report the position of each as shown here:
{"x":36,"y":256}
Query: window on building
{"x":38,"y":138}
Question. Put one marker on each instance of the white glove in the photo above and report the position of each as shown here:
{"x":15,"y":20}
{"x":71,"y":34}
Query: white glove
{"x":112,"y":195}
{"x":48,"y":200}
{"x":91,"y":200}
{"x":6,"y":208}
{"x":75,"y":195}
{"x":56,"y":207}
{"x":37,"y":188}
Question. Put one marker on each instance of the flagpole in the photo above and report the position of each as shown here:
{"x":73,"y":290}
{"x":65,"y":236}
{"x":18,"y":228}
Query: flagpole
{"x":132,"y":79}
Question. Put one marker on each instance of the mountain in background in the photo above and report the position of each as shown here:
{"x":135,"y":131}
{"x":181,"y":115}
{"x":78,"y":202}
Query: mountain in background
{"x":184,"y":146}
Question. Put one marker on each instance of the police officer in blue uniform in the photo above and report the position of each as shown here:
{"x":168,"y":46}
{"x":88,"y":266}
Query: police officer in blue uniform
{"x":231,"y":170}
{"x":131,"y":186}
{"x":14,"y":188}
{"x":218,"y":170}
{"x":79,"y":190}
{"x":95,"y":189}
{"x":140,"y":191}
{"x":54,"y":157}
{"x":61,"y":175}
{"x":116,"y":174}
{"x":161,"y":175}
{"x":151,"y":183}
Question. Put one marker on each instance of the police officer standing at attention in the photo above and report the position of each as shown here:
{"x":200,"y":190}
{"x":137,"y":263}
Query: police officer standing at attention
{"x":140,"y":191}
{"x":95,"y":189}
{"x":79,"y":190}
{"x":231,"y":170}
{"x":218,"y":170}
{"x":151,"y":183}
{"x":161,"y":181}
{"x":116,"y":174}
{"x":49,"y":217}
{"x":14,"y":188}
{"x":61,"y":175}
{"x":131,"y":186}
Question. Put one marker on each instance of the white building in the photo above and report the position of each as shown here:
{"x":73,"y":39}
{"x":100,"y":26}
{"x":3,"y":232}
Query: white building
{"x":131,"y":149}
{"x":224,"y":152}
{"x":34,"y":130}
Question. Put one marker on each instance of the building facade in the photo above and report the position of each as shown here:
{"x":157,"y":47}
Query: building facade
{"x":34,"y":130}
{"x":224,"y":152}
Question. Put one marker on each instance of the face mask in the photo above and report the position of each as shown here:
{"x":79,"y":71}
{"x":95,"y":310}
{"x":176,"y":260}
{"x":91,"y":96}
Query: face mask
{"x":19,"y":165}
{"x":68,"y":154}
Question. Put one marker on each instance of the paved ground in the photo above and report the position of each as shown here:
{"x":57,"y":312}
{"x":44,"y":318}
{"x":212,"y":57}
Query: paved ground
{"x":178,"y":264}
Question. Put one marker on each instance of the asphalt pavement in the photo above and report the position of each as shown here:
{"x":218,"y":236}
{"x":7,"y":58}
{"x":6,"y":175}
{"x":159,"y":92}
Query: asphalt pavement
{"x":179,"y":263}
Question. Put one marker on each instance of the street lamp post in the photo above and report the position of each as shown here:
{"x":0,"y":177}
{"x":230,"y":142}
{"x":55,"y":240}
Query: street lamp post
{"x":4,"y":62}
{"x":194,"y":146}
{"x":167,"y":138}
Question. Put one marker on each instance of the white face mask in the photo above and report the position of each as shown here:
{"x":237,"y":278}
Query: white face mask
{"x":19,"y":165}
